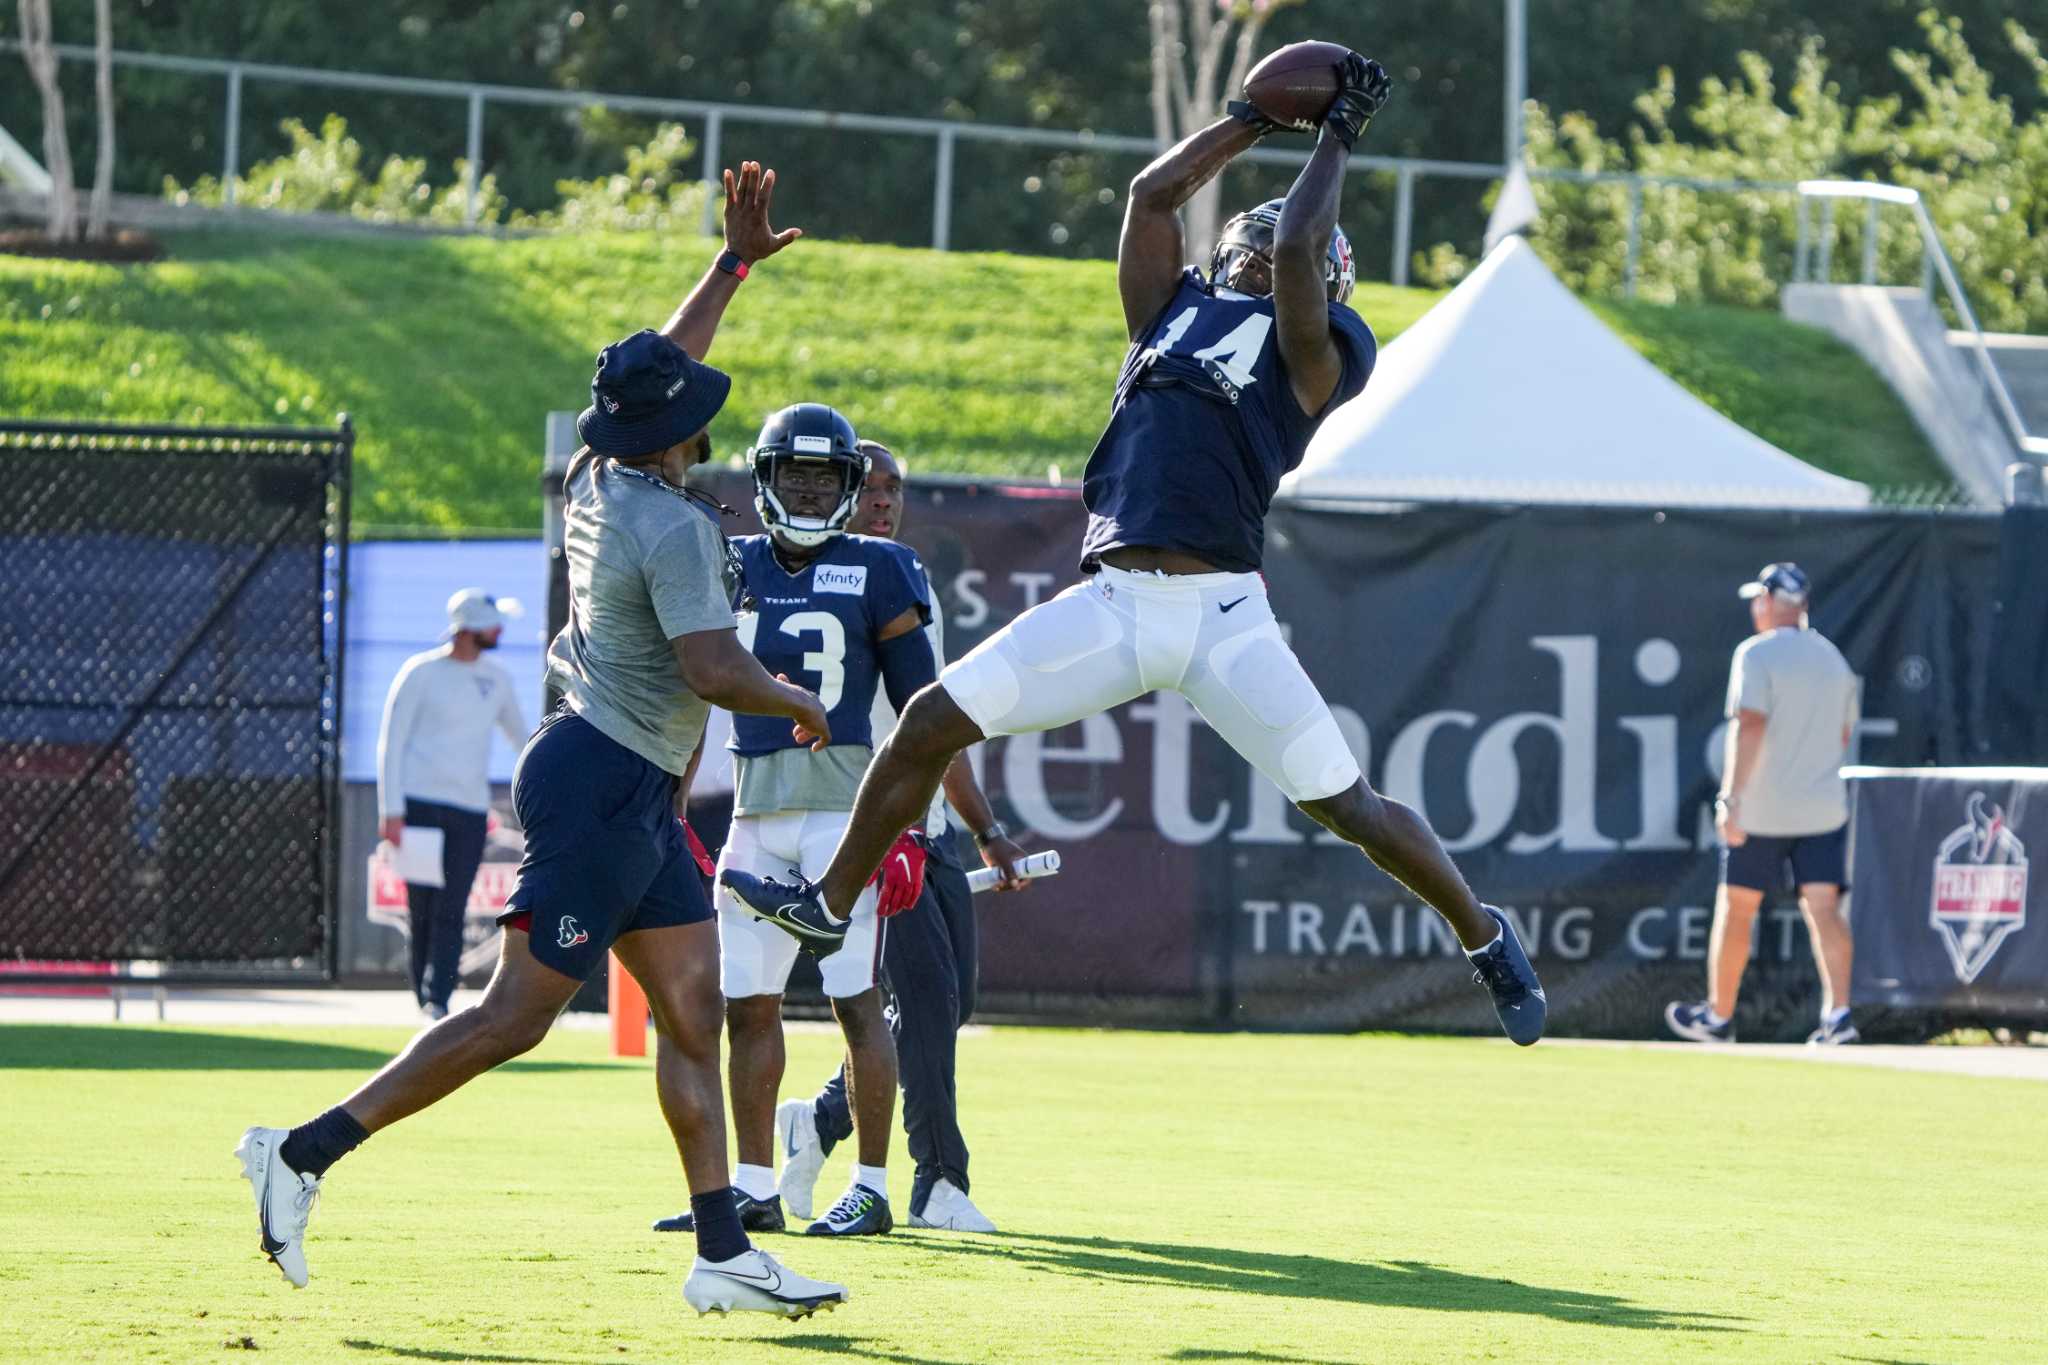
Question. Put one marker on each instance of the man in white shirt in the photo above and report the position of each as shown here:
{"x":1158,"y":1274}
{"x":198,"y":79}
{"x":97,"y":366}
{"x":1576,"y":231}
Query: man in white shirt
{"x":1783,"y":812}
{"x":433,"y":772}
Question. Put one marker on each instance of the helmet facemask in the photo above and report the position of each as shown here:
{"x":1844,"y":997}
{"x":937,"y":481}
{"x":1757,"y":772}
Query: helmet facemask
{"x":773,"y":505}
{"x":1243,"y":259}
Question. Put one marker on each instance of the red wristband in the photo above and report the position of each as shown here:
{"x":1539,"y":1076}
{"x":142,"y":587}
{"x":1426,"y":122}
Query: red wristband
{"x":730,"y":262}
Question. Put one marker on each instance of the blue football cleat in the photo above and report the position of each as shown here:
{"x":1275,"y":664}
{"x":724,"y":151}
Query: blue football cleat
{"x":1694,"y":1022}
{"x":1503,"y":968}
{"x":860,"y":1212}
{"x":795,"y":908}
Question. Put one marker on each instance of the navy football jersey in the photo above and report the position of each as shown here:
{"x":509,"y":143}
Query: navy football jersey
{"x":818,"y":627}
{"x":1204,"y":424}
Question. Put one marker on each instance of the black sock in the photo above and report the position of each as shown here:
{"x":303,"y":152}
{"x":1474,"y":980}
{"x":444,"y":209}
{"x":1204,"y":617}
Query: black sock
{"x":822,"y":1121}
{"x":718,"y":1225}
{"x":313,"y":1147}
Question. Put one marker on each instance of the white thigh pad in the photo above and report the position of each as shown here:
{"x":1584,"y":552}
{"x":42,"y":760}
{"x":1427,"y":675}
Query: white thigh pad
{"x":1262,"y":673}
{"x":1256,"y":695}
{"x":1064,"y":631}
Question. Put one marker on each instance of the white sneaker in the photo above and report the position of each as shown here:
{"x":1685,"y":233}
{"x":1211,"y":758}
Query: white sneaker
{"x":755,"y":1282}
{"x":796,"y":1132}
{"x":948,"y":1206}
{"x":284,"y":1200}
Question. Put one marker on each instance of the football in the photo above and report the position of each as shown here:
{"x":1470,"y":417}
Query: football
{"x":1296,"y":84}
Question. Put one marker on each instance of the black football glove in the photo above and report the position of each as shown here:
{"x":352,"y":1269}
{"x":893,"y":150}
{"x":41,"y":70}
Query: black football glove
{"x":1362,"y":90}
{"x":1245,"y":112}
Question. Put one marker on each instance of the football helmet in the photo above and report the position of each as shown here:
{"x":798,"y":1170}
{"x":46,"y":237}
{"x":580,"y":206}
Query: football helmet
{"x":805,"y":433}
{"x":1249,"y":237}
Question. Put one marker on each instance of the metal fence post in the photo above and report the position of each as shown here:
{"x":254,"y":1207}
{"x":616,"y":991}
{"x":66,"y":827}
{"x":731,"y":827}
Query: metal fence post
{"x":1635,"y":236}
{"x":942,"y":194}
{"x":714,"y":187}
{"x":1404,"y":223}
{"x":1926,"y":271}
{"x":472,"y":172}
{"x":231,"y":142}
{"x":1800,"y":244}
{"x":1870,"y":208}
{"x":1828,"y":233}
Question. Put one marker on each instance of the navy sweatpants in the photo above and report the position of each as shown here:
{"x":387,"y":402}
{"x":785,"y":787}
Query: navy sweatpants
{"x":930,"y":963}
{"x":437,"y":910}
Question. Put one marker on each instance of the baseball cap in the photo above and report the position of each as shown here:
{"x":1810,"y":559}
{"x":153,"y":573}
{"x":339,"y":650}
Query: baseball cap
{"x":475,"y":609}
{"x":1786,"y":580}
{"x":647,"y":395}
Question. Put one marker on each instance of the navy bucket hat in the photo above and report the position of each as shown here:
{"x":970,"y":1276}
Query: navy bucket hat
{"x":647,"y":395}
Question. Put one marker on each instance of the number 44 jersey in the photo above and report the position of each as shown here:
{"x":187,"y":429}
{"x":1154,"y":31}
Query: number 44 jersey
{"x":1204,"y":423}
{"x":818,"y":627}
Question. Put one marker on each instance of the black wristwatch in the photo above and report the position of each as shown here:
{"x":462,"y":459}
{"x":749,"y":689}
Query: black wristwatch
{"x":984,"y":837}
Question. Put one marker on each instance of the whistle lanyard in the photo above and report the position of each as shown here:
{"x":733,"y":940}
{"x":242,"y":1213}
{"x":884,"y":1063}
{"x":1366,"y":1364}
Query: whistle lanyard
{"x":735,"y":570}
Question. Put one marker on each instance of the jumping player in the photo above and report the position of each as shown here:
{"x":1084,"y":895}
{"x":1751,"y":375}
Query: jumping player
{"x":649,"y":643}
{"x":1226,"y":380}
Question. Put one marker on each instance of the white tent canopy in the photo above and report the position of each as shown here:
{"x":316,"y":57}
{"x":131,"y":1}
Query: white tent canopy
{"x":1510,"y":390}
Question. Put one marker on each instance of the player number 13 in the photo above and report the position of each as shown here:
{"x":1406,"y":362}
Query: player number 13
{"x":828,"y":661}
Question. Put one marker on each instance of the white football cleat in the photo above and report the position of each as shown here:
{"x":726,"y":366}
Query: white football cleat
{"x":948,"y":1206}
{"x":284,"y":1200}
{"x":803,"y":1156}
{"x":755,"y":1282}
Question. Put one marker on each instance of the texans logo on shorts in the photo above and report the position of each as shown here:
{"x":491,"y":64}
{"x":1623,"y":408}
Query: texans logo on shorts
{"x":571,"y":934}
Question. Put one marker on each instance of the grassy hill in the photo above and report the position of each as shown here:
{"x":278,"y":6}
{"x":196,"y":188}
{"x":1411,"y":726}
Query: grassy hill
{"x":449,"y":351}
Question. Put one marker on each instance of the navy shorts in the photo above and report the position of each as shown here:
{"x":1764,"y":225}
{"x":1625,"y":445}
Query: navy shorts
{"x":1764,"y":862}
{"x":605,"y":854}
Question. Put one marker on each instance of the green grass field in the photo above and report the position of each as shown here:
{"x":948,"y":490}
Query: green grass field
{"x":1163,"y":1197}
{"x":449,"y":352}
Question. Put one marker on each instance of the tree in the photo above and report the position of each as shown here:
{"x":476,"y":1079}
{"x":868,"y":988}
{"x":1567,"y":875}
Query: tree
{"x":102,"y":205}
{"x":1189,"y":87}
{"x":38,"y":49}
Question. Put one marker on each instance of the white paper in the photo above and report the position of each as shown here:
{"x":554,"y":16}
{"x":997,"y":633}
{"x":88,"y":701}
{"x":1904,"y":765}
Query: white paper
{"x":1042,"y":864}
{"x":418,"y":856}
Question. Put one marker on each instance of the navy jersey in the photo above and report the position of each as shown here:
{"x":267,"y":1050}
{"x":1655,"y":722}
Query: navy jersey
{"x":1204,"y":424}
{"x":818,"y":626}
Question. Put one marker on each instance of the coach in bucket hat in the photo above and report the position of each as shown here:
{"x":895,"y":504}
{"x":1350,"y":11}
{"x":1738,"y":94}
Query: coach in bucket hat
{"x":649,"y":395}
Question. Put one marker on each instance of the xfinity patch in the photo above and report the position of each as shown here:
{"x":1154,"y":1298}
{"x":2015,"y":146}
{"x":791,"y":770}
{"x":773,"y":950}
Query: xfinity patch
{"x":851,"y":579}
{"x":821,"y":444}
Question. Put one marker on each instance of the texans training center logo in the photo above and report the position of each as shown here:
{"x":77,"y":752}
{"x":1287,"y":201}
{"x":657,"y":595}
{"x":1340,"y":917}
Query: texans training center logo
{"x":1980,"y":888}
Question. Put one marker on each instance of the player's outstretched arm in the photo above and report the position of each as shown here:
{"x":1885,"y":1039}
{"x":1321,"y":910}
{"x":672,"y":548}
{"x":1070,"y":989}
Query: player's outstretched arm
{"x":747,"y":236}
{"x":1152,"y":251}
{"x":718,"y":668}
{"x":1301,"y":299}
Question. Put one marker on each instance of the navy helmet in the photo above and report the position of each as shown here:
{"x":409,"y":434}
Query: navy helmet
{"x":806,"y":432}
{"x":1249,"y":237}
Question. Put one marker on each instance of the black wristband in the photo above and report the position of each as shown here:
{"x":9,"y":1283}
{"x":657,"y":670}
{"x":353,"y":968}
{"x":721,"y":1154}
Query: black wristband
{"x":729,"y":261}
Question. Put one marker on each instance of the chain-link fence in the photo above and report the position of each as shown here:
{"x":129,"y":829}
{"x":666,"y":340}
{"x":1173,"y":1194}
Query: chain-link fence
{"x":170,"y":687}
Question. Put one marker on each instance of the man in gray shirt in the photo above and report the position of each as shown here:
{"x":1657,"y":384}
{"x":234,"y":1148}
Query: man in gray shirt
{"x":650,"y":642}
{"x":1783,"y":812}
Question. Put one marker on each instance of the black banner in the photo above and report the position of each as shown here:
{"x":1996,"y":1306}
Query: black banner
{"x":1544,"y":684}
{"x":1945,"y":914}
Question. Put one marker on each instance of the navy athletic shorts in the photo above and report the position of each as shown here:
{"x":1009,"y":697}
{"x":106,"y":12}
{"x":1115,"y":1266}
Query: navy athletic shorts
{"x":605,"y":854}
{"x":1764,"y":862}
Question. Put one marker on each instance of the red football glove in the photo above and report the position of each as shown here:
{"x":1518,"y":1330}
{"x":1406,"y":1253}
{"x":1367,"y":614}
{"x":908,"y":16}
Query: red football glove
{"x":901,"y":875}
{"x":699,"y":852}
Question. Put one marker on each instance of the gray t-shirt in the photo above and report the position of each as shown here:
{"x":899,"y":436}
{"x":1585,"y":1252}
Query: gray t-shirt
{"x":1801,"y":684}
{"x":646,"y":564}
